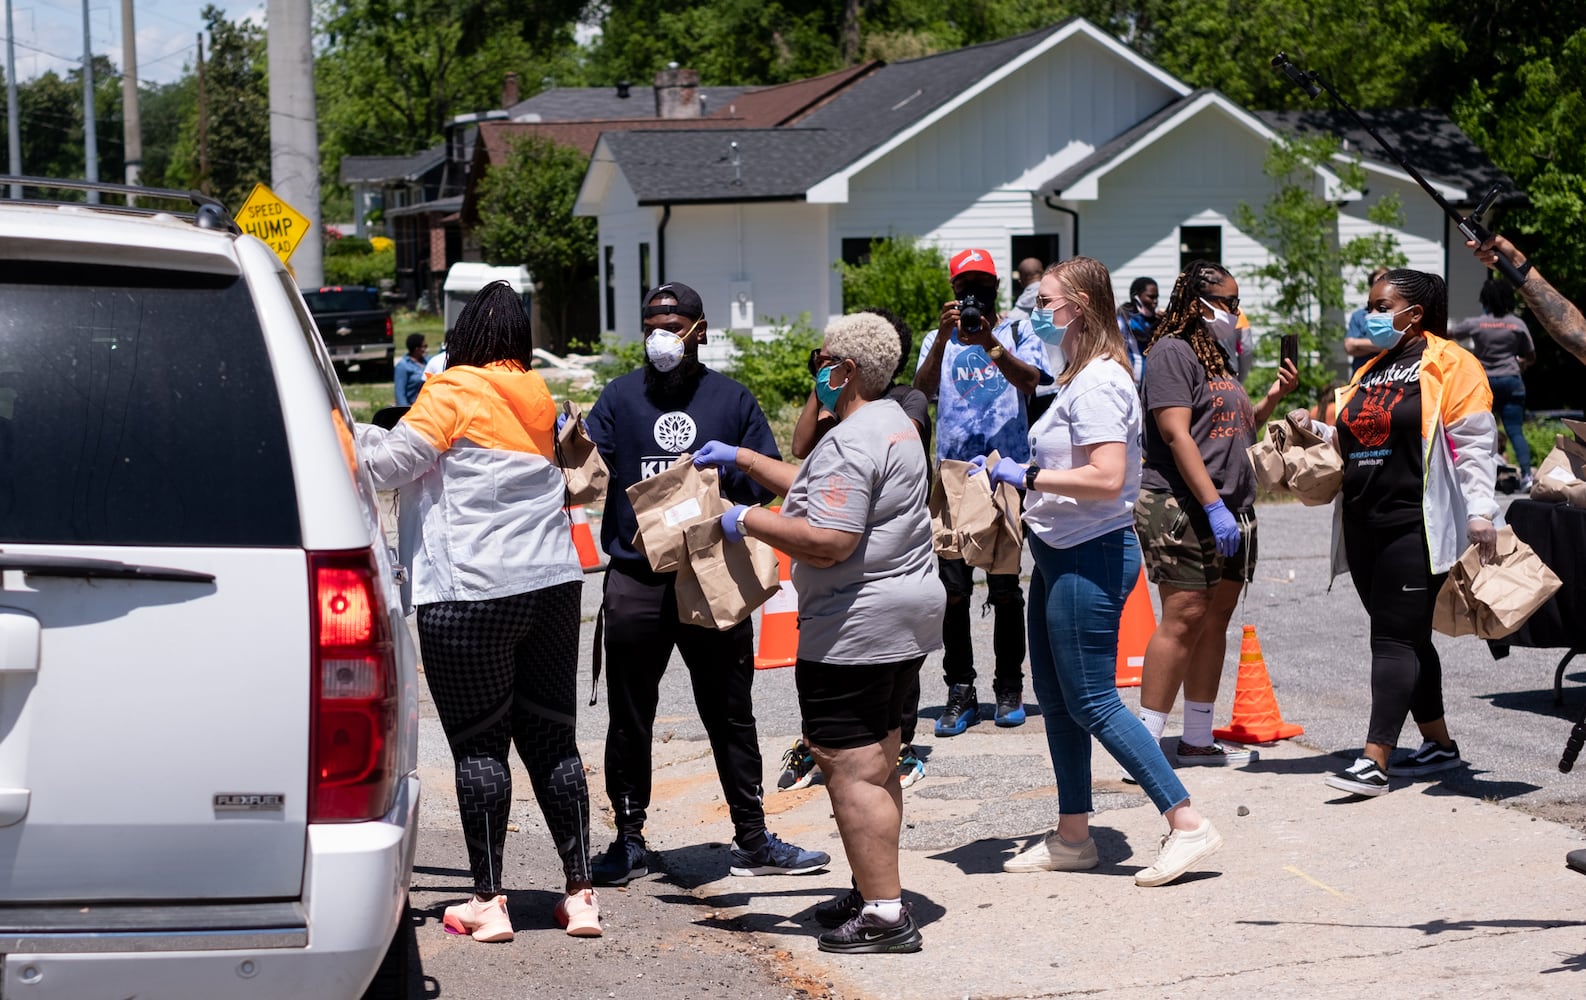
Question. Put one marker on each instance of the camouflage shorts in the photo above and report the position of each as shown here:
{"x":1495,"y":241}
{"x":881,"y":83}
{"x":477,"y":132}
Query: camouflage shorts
{"x":1179,"y":548}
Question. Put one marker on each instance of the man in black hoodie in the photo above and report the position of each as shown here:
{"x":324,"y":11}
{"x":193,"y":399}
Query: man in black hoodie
{"x":642,"y":422}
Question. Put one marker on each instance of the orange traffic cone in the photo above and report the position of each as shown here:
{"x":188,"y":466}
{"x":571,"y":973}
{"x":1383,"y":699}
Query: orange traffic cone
{"x":779,"y":622}
{"x":584,"y":539}
{"x":1256,"y":715}
{"x":1134,"y":633}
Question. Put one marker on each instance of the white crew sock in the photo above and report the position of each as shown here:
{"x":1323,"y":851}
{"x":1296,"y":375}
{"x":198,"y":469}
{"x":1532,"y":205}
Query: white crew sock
{"x":1198,"y":723}
{"x":1154,"y":721}
{"x":888,"y":911}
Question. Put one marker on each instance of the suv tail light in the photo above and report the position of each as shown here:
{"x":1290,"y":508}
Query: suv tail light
{"x":389,"y":329}
{"x":352,"y":753}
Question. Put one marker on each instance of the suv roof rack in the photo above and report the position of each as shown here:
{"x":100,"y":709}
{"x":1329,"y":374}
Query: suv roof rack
{"x":208,"y":212}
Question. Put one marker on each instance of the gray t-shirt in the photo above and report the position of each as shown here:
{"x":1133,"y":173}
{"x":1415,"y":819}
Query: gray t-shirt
{"x":1222,"y":423}
{"x":1098,"y":406}
{"x":1497,"y":341}
{"x":884,"y":602}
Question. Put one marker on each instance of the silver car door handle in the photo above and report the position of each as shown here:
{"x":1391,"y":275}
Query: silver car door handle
{"x":13,"y":805}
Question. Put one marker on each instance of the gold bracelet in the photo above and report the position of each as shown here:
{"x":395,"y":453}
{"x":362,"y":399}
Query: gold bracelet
{"x":753,"y":460}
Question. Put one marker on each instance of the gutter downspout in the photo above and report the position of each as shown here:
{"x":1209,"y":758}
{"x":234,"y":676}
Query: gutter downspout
{"x":1074,"y":251}
{"x":660,"y":245}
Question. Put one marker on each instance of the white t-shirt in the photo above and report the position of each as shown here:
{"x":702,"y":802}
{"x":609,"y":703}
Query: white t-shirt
{"x":1098,"y":406}
{"x":884,"y":603}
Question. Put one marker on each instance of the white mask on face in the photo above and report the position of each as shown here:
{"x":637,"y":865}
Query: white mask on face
{"x":664,"y":349}
{"x":1223,"y":325}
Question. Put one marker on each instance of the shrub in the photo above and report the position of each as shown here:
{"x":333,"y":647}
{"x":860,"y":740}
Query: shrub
{"x":776,"y":371}
{"x":348,"y":246}
{"x":359,"y":269}
{"x":617,"y":357}
{"x":905,"y":276}
{"x":1539,"y":434}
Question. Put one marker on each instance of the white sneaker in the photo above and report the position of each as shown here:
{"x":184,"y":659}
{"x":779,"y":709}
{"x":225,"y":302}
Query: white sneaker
{"x":1181,"y":849}
{"x":1054,"y":854}
{"x":1216,"y":755}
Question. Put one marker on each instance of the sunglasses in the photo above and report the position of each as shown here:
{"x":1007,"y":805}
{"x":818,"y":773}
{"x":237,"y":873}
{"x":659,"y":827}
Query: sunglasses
{"x":819,"y":361}
{"x":1230,"y":303}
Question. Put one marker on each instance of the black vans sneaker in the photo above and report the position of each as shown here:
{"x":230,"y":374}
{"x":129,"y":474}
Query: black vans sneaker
{"x":865,"y":934}
{"x":840,"y":910}
{"x":1430,"y":759}
{"x":1363,"y":777}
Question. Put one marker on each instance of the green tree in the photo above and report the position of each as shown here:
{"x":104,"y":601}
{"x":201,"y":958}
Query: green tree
{"x":526,"y":217}
{"x":776,"y":369}
{"x":1306,"y":271}
{"x":904,"y":276}
{"x":237,"y":132}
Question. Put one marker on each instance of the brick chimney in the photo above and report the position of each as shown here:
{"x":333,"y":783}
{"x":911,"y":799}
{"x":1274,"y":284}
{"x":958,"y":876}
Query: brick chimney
{"x":677,"y":93}
{"x":509,"y":91}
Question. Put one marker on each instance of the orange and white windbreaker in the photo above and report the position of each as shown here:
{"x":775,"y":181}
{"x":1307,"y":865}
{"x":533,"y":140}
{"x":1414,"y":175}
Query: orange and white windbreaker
{"x":480,"y":444}
{"x":1459,"y":440}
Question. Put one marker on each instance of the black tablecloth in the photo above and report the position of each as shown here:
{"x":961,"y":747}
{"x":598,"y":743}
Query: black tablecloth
{"x":1558,"y":534}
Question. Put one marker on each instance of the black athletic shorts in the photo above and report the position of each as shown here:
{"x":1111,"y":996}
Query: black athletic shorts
{"x":847,"y":705}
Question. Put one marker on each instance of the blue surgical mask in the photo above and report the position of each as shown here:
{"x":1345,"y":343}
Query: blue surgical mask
{"x":825,"y":392}
{"x":1380,"y":330}
{"x":1041,"y":323}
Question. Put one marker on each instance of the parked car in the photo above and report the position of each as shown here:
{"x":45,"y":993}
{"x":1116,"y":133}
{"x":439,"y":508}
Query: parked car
{"x":208,"y":695}
{"x":356,"y":328}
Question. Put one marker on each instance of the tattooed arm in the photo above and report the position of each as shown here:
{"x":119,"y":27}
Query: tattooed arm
{"x":1557,"y":315}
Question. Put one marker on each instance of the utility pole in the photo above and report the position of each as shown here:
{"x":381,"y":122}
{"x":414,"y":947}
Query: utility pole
{"x":203,"y":122}
{"x":294,"y":128}
{"x":13,"y":122}
{"x":90,"y":136}
{"x":132,"y":125}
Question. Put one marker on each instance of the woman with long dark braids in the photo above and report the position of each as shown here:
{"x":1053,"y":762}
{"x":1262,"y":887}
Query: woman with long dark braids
{"x":1196,"y":512}
{"x":1419,"y":442}
{"x":497,"y":584}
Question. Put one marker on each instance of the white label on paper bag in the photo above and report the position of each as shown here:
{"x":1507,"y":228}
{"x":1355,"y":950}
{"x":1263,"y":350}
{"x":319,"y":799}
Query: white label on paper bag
{"x":1561,"y":474}
{"x":785,"y":599}
{"x":681,"y":513}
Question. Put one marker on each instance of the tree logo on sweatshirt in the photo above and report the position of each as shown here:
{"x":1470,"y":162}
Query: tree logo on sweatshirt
{"x":674,"y":431}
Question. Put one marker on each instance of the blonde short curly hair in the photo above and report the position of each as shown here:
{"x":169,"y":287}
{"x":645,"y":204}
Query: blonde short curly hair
{"x":871,"y":343}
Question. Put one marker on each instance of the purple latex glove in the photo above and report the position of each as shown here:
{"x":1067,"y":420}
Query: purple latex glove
{"x":1224,"y":528}
{"x":729,"y":521}
{"x":1008,"y":471}
{"x":561,"y":421}
{"x":718,"y":453}
{"x":978,"y":464}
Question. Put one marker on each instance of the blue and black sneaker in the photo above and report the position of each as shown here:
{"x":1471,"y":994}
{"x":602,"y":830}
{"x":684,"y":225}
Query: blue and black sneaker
{"x":962,"y":711}
{"x":624,"y":861}
{"x":1010,"y":708}
{"x":777,"y":857}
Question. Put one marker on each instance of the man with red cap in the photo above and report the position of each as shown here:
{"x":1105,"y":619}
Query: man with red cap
{"x":981,"y":372}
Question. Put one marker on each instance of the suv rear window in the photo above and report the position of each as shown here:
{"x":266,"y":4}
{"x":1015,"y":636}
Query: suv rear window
{"x":331,"y":300}
{"x":138,"y":407}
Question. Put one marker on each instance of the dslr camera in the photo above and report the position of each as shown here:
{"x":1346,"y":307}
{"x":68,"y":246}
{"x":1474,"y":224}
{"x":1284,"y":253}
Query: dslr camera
{"x":971,"y":310}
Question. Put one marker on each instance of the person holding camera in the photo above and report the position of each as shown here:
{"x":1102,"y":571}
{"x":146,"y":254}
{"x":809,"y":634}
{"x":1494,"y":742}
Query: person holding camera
{"x":981,"y":372}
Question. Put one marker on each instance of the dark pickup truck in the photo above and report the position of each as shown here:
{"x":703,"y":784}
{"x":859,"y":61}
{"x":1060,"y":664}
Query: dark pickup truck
{"x":356,"y":328}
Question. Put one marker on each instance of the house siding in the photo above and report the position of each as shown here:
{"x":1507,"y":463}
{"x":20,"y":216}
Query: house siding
{"x":624,"y":224}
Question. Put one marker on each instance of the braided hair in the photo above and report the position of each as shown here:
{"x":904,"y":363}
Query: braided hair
{"x":1428,"y":291}
{"x":1182,"y":317}
{"x":493,"y":327}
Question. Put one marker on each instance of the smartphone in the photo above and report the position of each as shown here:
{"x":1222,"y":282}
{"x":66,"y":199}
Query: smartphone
{"x":1290,"y":349}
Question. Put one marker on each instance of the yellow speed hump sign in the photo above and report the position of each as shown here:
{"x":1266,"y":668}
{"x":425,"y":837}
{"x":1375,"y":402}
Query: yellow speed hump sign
{"x":272,"y":220}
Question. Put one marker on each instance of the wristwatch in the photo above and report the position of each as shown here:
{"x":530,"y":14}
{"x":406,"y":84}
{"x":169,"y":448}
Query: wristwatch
{"x":996,"y":352}
{"x":1030,"y":472}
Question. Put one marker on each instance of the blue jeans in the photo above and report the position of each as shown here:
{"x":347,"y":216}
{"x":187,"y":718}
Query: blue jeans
{"x":1508,"y":401}
{"x":1076,"y":601}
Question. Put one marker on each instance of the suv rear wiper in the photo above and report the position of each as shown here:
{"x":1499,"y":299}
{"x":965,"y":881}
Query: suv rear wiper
{"x":88,"y":569}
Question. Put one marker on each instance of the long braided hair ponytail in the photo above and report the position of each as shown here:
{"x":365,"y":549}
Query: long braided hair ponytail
{"x":1182,"y":317}
{"x":1428,"y":291}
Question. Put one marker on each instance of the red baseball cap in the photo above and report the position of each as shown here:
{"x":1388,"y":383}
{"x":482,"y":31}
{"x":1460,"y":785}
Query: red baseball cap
{"x":966,"y":261}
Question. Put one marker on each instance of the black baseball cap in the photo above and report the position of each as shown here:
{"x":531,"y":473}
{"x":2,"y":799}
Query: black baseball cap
{"x":688,"y":301}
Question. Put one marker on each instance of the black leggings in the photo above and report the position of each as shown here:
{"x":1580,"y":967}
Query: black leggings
{"x":504,"y":671}
{"x":1395,"y":583}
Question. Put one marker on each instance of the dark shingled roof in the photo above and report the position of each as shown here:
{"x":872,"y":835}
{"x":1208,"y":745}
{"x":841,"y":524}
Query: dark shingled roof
{"x":375,"y":169}
{"x":1426,"y":137}
{"x":561,"y":104}
{"x":774,"y":164}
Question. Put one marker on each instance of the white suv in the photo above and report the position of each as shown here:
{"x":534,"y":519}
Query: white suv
{"x":208,"y":696}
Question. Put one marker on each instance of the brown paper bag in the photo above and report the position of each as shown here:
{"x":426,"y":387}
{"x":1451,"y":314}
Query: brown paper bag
{"x":726,"y":581}
{"x":989,"y":523}
{"x":1494,"y":600}
{"x":1312,"y":466}
{"x":1561,"y":478}
{"x":666,"y":504}
{"x":581,"y":463}
{"x":947,"y":497}
{"x":1267,"y":457}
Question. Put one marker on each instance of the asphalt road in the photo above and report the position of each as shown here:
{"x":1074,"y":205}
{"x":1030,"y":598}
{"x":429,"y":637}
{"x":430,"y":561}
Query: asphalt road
{"x":667,"y":935}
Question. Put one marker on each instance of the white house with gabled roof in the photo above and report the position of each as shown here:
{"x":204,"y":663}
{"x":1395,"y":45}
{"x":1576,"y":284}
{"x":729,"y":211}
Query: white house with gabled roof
{"x":1056,"y":142}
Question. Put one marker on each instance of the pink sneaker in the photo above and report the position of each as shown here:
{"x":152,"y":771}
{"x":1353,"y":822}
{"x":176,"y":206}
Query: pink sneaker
{"x":579,"y":912}
{"x":487,"y":921}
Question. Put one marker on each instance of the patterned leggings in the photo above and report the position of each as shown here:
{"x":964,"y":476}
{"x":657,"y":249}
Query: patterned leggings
{"x":500,"y":671}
